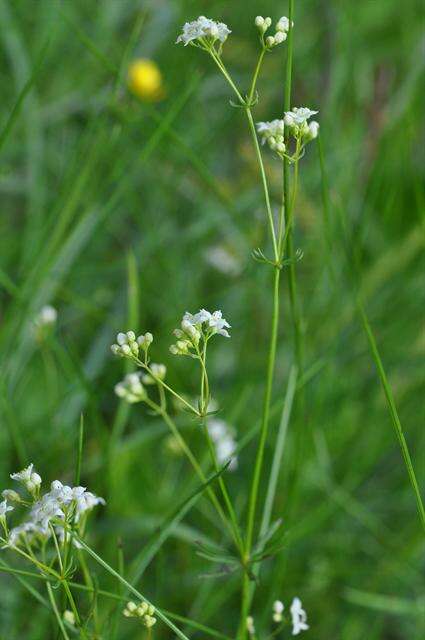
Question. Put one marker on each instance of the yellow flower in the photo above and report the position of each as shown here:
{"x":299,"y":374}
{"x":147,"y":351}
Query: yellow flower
{"x":145,"y":80}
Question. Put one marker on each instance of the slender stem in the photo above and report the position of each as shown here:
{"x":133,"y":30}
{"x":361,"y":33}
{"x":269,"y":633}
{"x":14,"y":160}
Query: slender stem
{"x":197,"y":468}
{"x":130,"y":587}
{"x":255,"y":76}
{"x":256,"y":147}
{"x":261,"y":447}
{"x":56,"y":611}
{"x":165,"y":386}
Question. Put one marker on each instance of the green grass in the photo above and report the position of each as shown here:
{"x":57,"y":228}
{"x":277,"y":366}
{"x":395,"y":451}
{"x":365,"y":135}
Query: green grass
{"x":108,"y":208}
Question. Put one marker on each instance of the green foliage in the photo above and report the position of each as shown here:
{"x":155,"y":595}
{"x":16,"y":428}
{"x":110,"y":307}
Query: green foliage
{"x":110,"y":209}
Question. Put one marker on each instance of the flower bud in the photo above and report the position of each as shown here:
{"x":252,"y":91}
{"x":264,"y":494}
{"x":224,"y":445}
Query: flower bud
{"x":267,"y":22}
{"x":259,"y":22}
{"x":279,"y":37}
{"x":116,"y":350}
{"x":11,"y":495}
{"x":121,"y":338}
{"x":270,"y":41}
{"x":125,"y":350}
{"x":131,"y":336}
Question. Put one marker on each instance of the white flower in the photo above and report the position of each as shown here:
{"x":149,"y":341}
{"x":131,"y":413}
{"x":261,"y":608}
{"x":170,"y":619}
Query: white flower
{"x":283,"y":24}
{"x":225,"y":444}
{"x":145,"y":340}
{"x":4,"y":508}
{"x":250,"y":627}
{"x":313,"y":128}
{"x":158,"y":372}
{"x":69,"y":617}
{"x":299,"y":617}
{"x":126,"y":345}
{"x":278,"y":608}
{"x":298,"y":116}
{"x":219,"y":324}
{"x":27,"y":529}
{"x":272,"y":129}
{"x":203,"y":27}
{"x":46,"y":316}
{"x":214,"y":321}
{"x":131,"y":388}
{"x":29,"y":478}
{"x":11,"y":495}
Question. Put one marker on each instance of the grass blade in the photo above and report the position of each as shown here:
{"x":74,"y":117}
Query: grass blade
{"x":393,"y":411}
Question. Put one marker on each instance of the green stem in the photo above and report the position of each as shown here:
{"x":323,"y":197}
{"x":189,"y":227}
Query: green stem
{"x":56,"y":611}
{"x":197,"y":468}
{"x":130,"y":587}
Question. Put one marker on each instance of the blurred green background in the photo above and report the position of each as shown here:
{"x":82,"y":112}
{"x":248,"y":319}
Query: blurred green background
{"x":118,"y":212}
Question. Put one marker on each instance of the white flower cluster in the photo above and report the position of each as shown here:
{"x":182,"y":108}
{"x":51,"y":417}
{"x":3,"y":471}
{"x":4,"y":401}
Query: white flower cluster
{"x":273,"y":133}
{"x":59,"y":503}
{"x":224,"y":442}
{"x":196,"y":326}
{"x":128,"y":346}
{"x":203,"y":29}
{"x":29,"y":478}
{"x":282,"y":28}
{"x":131,"y":388}
{"x":296,"y":121}
{"x":143,"y":610}
{"x":298,"y":615}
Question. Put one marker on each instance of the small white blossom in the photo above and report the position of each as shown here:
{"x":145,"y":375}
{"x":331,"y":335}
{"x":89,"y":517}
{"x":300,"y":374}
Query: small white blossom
{"x":313,"y":128}
{"x":299,"y":617}
{"x":283,"y":24}
{"x":29,"y":478}
{"x":145,"y":340}
{"x":47,"y":316}
{"x":69,"y":617}
{"x":298,"y":116}
{"x":4,"y":508}
{"x":193,"y":326}
{"x":225,"y":444}
{"x":131,"y":388}
{"x":143,"y":610}
{"x":278,"y":608}
{"x":250,"y":627}
{"x":158,"y":372}
{"x":203,"y":27}
{"x":271,"y":131}
{"x":126,"y":345}
{"x":11,"y":495}
{"x":218,"y":324}
{"x":29,"y":530}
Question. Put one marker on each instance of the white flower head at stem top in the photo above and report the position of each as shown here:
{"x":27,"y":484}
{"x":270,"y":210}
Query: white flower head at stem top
{"x":143,"y":610}
{"x":298,"y":115}
{"x":299,"y":617}
{"x":203,"y":29}
{"x":195,"y":326}
{"x":278,"y":608}
{"x":131,"y":389}
{"x":273,"y":133}
{"x":29,"y":478}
